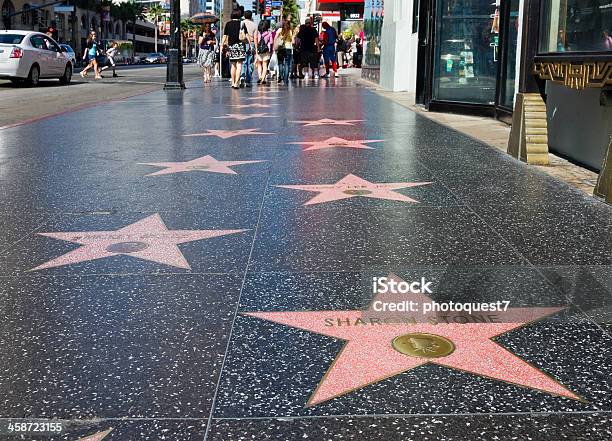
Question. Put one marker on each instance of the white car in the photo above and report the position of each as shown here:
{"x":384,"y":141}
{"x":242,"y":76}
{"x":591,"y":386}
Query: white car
{"x":67,"y":49}
{"x":27,"y":56}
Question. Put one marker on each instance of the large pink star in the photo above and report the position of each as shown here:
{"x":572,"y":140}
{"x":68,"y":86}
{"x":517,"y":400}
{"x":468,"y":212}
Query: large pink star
{"x":225,"y":134}
{"x":241,"y":117}
{"x":146,"y":239}
{"x":352,"y":186}
{"x":335,"y":142}
{"x":328,"y":122}
{"x":205,"y":163}
{"x":369,"y":356}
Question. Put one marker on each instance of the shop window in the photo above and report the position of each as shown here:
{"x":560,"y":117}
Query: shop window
{"x":509,"y":67}
{"x":467,"y":51}
{"x":576,"y":26}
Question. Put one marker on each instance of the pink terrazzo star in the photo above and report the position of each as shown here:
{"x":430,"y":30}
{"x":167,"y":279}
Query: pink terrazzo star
{"x":205,"y":163}
{"x":335,"y":142}
{"x":99,"y":436}
{"x":241,"y":117}
{"x":146,"y":239}
{"x":329,"y":122}
{"x":368,"y":355}
{"x":253,"y":105}
{"x":353,"y":186}
{"x":225,"y":134}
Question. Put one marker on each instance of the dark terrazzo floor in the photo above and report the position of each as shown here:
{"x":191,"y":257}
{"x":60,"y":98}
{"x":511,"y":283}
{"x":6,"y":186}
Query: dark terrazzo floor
{"x":158,"y":352}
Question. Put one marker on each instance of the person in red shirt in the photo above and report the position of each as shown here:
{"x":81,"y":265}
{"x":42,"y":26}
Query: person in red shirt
{"x":329,"y":38}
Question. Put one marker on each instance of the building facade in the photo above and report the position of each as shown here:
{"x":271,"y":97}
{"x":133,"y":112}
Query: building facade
{"x":18,"y":14}
{"x":491,"y":57}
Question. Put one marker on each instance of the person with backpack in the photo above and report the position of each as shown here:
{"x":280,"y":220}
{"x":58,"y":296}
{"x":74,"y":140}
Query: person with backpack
{"x":234,"y":38}
{"x":330,"y":36}
{"x":247,"y":67}
{"x":263,"y":46}
{"x":283,"y":44}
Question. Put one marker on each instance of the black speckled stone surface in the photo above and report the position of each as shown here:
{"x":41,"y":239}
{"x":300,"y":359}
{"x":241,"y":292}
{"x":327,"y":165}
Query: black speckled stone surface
{"x":162,"y":353}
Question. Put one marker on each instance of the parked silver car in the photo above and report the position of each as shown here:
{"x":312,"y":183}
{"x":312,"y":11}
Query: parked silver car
{"x":27,"y":56}
{"x":67,"y":49}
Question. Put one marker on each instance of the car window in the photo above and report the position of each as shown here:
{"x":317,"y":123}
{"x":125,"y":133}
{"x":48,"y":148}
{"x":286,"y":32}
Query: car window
{"x":11,"y":38}
{"x":51,"y":45}
{"x":38,"y":42}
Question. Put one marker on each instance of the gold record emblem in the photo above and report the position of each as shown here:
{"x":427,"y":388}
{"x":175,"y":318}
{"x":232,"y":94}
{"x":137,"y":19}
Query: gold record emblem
{"x":423,"y":345}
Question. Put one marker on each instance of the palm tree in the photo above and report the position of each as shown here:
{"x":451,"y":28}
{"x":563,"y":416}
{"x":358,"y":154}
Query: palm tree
{"x":185,"y":27}
{"x":131,"y":12}
{"x":124,"y":12}
{"x":155,"y":13}
{"x":188,"y":30}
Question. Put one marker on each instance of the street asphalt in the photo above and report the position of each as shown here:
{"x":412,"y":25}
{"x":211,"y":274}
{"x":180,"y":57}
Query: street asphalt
{"x":19,"y":104}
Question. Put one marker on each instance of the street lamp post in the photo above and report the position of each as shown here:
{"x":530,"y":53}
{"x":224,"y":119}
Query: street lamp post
{"x":174,"y":70}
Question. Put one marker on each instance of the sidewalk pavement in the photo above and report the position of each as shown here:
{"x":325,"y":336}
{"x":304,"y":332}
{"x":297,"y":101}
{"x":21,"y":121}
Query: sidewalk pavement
{"x":487,"y":130}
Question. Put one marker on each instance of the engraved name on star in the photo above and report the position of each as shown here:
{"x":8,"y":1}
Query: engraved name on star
{"x":370,"y":353}
{"x":352,"y":186}
{"x":335,"y":142}
{"x":147,"y":239}
{"x":328,"y":122}
{"x":205,"y":163}
{"x":225,"y":134}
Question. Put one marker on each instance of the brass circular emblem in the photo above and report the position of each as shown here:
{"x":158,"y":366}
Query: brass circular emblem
{"x":423,"y":345}
{"x":357,"y":192}
{"x":126,"y":247}
{"x":198,"y":167}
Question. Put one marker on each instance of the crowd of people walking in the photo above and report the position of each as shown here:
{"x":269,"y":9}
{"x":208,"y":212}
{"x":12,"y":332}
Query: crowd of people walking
{"x":280,"y":53}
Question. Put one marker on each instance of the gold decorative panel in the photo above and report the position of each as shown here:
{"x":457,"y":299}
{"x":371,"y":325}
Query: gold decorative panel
{"x":575,"y":75}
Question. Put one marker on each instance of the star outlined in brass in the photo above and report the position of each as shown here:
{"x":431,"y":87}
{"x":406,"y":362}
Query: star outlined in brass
{"x":352,"y":186}
{"x":146,"y":239}
{"x":327,"y":122}
{"x":203,"y":164}
{"x":226,"y":134}
{"x":368,"y":355}
{"x":336,"y":142}
{"x":245,"y":116}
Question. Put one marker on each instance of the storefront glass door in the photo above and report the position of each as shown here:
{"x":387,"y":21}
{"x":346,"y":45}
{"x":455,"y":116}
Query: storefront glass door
{"x":466,"y":51}
{"x":508,"y":73}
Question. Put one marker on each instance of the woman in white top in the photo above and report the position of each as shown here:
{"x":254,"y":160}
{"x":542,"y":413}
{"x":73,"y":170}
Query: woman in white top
{"x":283,"y":44}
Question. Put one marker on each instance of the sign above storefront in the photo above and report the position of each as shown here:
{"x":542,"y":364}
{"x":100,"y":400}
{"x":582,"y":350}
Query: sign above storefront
{"x":354,"y":16}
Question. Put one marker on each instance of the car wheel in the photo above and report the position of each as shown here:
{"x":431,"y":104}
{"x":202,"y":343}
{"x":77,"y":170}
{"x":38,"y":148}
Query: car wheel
{"x":33,"y":76}
{"x":65,"y":79}
{"x":16,"y":81}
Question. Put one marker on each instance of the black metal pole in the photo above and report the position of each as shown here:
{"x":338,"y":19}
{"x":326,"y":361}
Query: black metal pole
{"x":174,"y":71}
